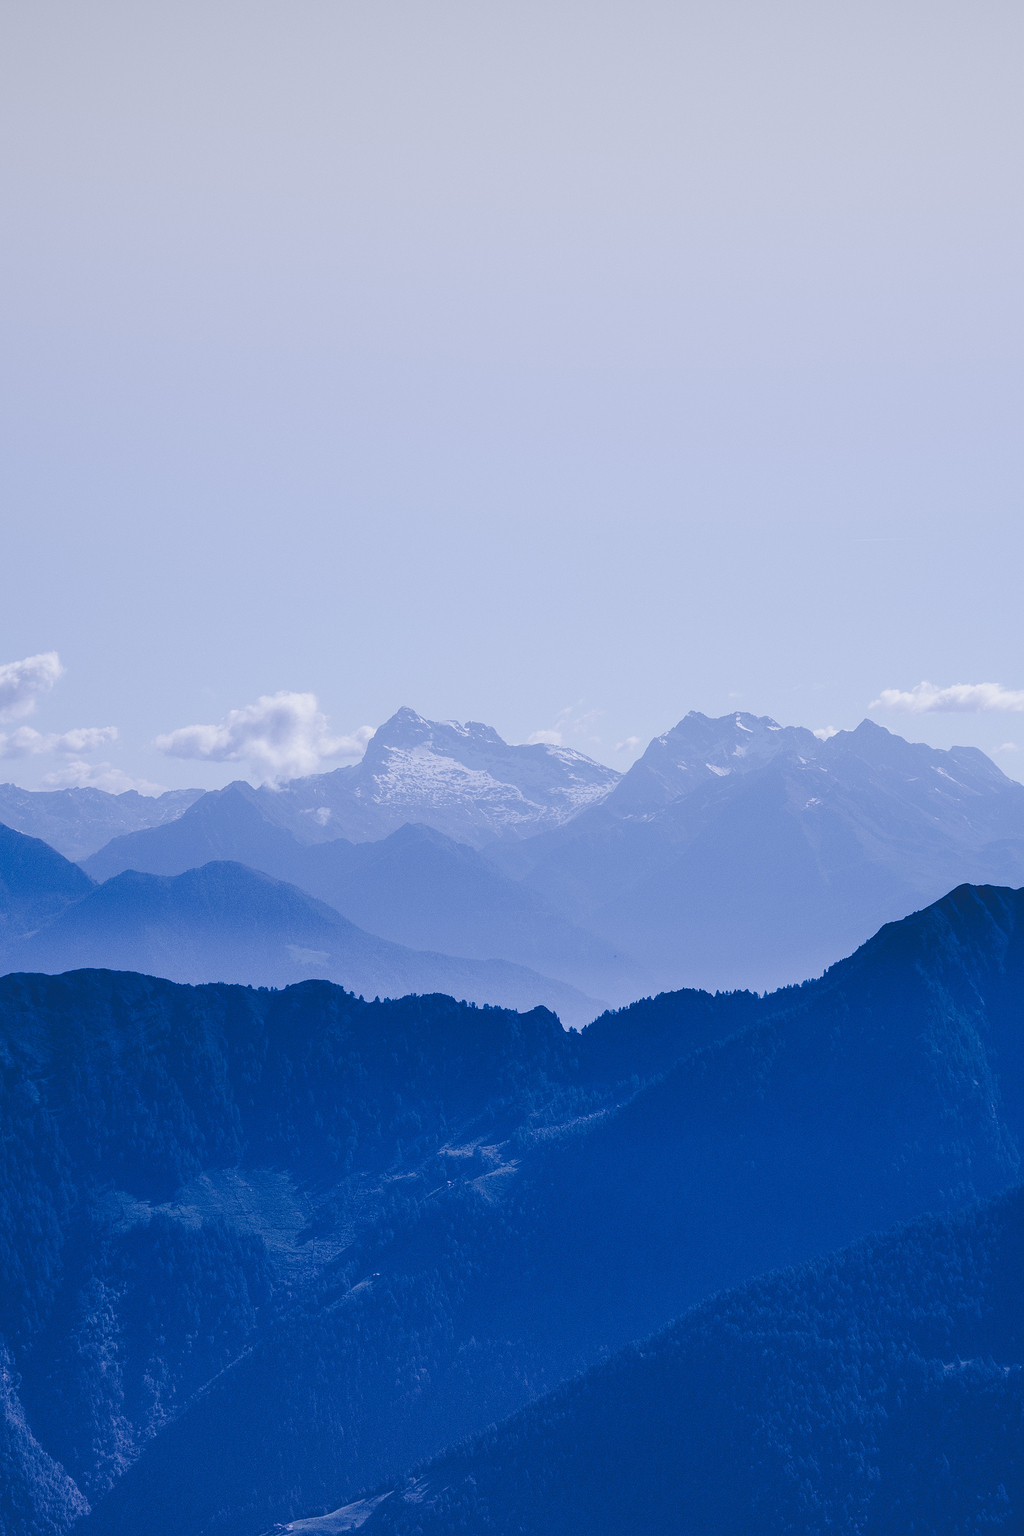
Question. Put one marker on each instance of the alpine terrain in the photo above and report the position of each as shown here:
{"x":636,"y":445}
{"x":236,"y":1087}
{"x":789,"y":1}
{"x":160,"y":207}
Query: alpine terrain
{"x":268,"y":1253}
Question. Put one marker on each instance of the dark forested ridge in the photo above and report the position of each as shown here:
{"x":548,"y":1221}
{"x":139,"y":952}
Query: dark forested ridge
{"x":267,"y":1249}
{"x":879,"y":1391}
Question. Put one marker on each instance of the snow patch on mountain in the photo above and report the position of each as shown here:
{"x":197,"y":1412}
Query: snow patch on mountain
{"x":461,"y":779}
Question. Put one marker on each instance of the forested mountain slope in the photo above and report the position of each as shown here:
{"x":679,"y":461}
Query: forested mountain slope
{"x":119,"y":1092}
{"x":420,"y":1216}
{"x":877,"y":1391}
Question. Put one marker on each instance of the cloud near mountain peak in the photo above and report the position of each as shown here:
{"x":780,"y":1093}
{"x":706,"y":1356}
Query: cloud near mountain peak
{"x":281,"y":736}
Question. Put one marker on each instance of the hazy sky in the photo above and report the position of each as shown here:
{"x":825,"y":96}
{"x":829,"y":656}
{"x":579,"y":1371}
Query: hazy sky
{"x":561,"y":366}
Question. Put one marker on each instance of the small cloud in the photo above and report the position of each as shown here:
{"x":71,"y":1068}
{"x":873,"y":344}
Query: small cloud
{"x":25,"y":742}
{"x":826,"y":732}
{"x":282,"y":736}
{"x":1007,"y":746}
{"x":963,"y":698}
{"x":630,"y":744}
{"x":82,"y":775}
{"x":21,"y":683}
{"x":544,"y":738}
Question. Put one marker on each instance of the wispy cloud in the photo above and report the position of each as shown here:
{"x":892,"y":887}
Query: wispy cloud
{"x":568,"y":723}
{"x":961,"y":698}
{"x":82,"y":775}
{"x":22,"y":682}
{"x":826,"y":732}
{"x":282,"y":736}
{"x":1007,"y":746}
{"x":25,"y":742}
{"x":630,"y":744}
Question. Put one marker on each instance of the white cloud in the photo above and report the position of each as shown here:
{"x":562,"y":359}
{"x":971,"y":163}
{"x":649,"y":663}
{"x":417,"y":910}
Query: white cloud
{"x":545,"y":738}
{"x":282,"y":736}
{"x":21,"y":683}
{"x":82,"y":775}
{"x":629,"y":745}
{"x":1007,"y":746}
{"x":965,"y":698}
{"x":25,"y":742}
{"x":825,"y":732}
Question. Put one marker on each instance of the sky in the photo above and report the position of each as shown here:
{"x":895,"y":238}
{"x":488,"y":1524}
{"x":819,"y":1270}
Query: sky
{"x":564,"y":367}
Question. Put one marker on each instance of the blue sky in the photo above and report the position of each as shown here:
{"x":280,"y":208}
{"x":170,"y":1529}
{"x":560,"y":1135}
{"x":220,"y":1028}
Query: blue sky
{"x":563,"y":367}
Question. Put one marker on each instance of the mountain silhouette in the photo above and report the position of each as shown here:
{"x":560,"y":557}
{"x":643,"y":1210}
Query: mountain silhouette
{"x":416,"y":887}
{"x":323,"y":1239}
{"x":737,"y":853}
{"x":36,"y":883}
{"x":734,"y":853}
{"x":225,"y":922}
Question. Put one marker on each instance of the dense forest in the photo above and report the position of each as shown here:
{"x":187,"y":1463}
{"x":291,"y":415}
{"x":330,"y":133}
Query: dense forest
{"x":878,"y":1390}
{"x":264,"y":1250}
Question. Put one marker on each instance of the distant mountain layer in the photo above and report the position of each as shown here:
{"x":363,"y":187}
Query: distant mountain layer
{"x":879,"y":1390}
{"x":224,"y":922}
{"x":462,"y":780}
{"x":79,"y":821}
{"x":368,"y":1231}
{"x":416,"y":887}
{"x":36,"y":883}
{"x":737,"y":852}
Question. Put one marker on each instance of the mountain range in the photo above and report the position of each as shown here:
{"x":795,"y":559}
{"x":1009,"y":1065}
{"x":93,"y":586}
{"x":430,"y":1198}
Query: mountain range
{"x":415,"y":886}
{"x":224,"y":921}
{"x":269,"y":1253}
{"x":738,"y":853}
{"x":79,"y":821}
{"x":734,"y":853}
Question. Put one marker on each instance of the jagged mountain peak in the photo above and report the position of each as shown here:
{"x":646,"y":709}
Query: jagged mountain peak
{"x":699,"y":749}
{"x":462,"y":779}
{"x":406,"y":728}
